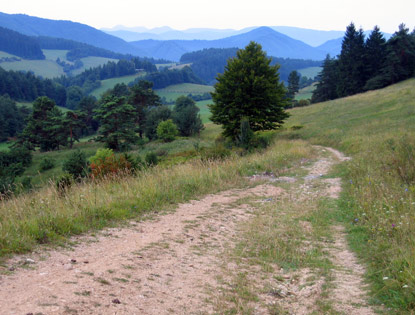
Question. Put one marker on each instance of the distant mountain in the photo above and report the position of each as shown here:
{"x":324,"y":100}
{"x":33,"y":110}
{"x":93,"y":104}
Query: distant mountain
{"x":34,"y":26}
{"x":273,"y":42}
{"x":332,"y":47}
{"x":129,"y":34}
{"x":20,"y":45}
{"x":311,"y":37}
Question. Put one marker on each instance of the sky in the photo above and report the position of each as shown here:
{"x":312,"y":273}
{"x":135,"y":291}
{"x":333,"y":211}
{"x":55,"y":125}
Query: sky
{"x":222,"y":14}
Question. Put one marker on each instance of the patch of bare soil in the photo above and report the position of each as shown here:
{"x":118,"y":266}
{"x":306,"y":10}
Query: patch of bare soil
{"x":155,"y":267}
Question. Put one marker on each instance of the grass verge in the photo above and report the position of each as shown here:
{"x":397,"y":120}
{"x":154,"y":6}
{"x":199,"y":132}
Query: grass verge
{"x":45,"y":216}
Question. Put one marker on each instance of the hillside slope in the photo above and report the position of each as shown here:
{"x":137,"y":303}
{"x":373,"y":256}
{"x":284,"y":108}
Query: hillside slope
{"x":34,"y":26}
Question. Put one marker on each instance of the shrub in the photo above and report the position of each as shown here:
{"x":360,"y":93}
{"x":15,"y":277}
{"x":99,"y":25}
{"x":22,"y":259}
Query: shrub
{"x":217,"y":152}
{"x":106,"y":163}
{"x":46,"y":164}
{"x":76,"y":165}
{"x":167,"y":130}
{"x":151,"y":159}
{"x":64,"y":182}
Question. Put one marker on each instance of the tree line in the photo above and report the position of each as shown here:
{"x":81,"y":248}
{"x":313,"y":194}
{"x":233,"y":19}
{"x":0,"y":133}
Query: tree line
{"x":20,"y":45}
{"x":367,"y":64}
{"x":167,"y":77}
{"x":208,"y":63}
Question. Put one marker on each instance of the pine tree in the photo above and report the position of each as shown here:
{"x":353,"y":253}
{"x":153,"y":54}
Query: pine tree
{"x":352,"y":63}
{"x":45,"y":128}
{"x":141,"y":98}
{"x":250,"y":88}
{"x":375,"y":53}
{"x":293,"y":84}
{"x":186,"y":116}
{"x":117,"y":123}
{"x":328,"y":78}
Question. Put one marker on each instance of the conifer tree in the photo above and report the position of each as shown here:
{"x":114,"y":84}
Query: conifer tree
{"x":375,"y":53}
{"x":326,"y":88}
{"x":250,"y":88}
{"x":293,"y":83}
{"x":352,"y":63}
{"x":117,"y":123}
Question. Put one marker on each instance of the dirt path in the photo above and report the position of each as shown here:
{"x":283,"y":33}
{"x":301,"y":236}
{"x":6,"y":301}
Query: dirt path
{"x":170,"y":263}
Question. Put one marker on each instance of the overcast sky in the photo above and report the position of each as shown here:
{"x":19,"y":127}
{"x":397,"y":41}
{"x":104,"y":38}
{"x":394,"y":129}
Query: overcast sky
{"x":236,"y":14}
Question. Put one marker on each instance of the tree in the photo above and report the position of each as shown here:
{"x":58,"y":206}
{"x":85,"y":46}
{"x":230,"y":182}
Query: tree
{"x":186,"y":116}
{"x":167,"y":130}
{"x":250,"y":88}
{"x":375,"y":53}
{"x":153,"y":117}
{"x":74,"y":122}
{"x":326,"y":88}
{"x":45,"y":126}
{"x":293,"y":84}
{"x":117,"y":123}
{"x":77,"y":165}
{"x":352,"y":63}
{"x":142,"y":97}
{"x":73,"y":97}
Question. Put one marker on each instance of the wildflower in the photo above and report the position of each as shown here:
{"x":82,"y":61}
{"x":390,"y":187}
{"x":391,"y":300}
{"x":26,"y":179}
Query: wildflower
{"x":356,"y":220}
{"x":393,"y":225}
{"x":385,"y":278}
{"x":405,"y":286}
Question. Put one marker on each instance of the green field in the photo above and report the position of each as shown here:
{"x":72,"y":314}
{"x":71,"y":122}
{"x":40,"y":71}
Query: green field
{"x":30,"y":105}
{"x":204,"y":110}
{"x":52,"y":54}
{"x":92,"y":62}
{"x":310,"y":72}
{"x":44,"y":68}
{"x":109,"y":84}
{"x":172,"y":92}
{"x":7,"y":55}
{"x":305,"y":93}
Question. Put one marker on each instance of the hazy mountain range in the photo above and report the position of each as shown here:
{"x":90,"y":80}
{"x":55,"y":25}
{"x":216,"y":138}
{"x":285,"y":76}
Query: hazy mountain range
{"x":278,"y":41}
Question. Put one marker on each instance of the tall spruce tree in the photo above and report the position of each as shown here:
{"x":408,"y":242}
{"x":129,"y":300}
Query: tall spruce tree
{"x":352,"y":62}
{"x":249,"y":88}
{"x":375,"y":53}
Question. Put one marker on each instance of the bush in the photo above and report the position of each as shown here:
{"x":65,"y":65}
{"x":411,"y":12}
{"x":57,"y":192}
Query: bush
{"x":217,"y":152}
{"x":106,"y":163}
{"x":64,"y":182}
{"x":46,"y":164}
{"x":151,"y":159}
{"x":76,"y":165}
{"x":167,"y":130}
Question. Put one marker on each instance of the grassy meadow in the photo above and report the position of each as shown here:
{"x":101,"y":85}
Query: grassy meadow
{"x":44,"y":68}
{"x":305,"y":93}
{"x":110,"y":83}
{"x":172,"y":92}
{"x":377,"y":129}
{"x":310,"y":72}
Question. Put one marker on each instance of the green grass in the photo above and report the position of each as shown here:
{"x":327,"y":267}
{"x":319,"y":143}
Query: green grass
{"x":110,"y":83}
{"x":305,"y":93}
{"x":204,"y":110}
{"x":52,"y":54}
{"x":310,"y":72}
{"x":44,"y":68}
{"x":4,"y":146}
{"x":377,"y":129}
{"x":172,"y":92}
{"x":92,"y":62}
{"x":3,"y":54}
{"x":45,"y":216}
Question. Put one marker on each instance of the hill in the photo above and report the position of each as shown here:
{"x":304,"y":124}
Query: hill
{"x":273,"y":42}
{"x":377,"y":129}
{"x":34,"y":26}
{"x":20,"y":45}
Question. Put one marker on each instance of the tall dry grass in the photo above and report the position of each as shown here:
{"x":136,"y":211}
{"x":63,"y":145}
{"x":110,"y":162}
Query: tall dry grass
{"x":47,"y":216}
